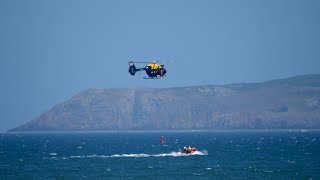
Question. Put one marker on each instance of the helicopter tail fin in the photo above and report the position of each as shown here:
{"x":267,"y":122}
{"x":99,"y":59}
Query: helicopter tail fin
{"x":132,"y":68}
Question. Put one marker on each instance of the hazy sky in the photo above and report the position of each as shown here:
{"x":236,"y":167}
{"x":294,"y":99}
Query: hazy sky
{"x":52,"y":50}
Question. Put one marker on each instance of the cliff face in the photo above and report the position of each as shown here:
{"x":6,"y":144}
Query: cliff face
{"x":291,"y":103}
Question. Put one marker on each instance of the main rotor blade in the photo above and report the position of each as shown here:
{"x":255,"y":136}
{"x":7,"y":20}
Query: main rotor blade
{"x":140,"y":62}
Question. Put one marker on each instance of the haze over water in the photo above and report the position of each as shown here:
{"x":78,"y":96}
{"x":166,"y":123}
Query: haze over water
{"x":140,"y":155}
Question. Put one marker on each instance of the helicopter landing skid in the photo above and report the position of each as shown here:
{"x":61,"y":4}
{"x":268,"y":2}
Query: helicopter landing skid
{"x":153,"y":77}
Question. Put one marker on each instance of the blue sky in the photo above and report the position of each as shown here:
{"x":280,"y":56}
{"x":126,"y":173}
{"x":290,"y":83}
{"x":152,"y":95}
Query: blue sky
{"x":51,"y":50}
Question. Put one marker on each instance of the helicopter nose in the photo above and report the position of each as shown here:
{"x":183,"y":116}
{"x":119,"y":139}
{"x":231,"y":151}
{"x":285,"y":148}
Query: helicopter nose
{"x":164,"y":71}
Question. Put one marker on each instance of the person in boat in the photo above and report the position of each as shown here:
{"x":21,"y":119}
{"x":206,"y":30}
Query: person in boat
{"x":185,"y":149}
{"x":189,"y":150}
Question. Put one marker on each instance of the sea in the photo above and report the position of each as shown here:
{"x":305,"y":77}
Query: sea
{"x":282,"y":154}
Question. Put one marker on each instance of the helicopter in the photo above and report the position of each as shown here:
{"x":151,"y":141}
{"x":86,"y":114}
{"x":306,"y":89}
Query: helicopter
{"x":153,"y":69}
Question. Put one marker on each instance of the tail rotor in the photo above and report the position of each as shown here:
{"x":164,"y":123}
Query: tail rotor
{"x":132,"y":68}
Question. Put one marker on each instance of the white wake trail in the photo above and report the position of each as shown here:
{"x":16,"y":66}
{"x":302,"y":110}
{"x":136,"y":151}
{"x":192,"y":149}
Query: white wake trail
{"x":172,"y":154}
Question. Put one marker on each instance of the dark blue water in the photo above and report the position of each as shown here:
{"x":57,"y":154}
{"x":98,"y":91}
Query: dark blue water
{"x":140,"y":155}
